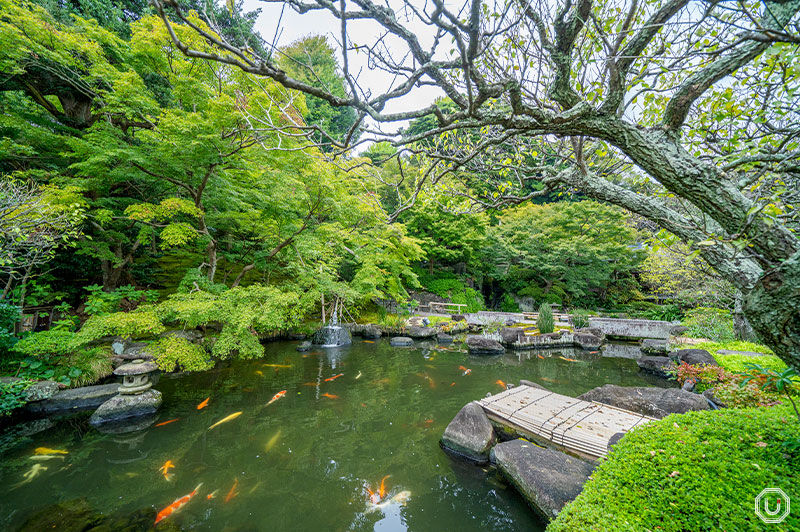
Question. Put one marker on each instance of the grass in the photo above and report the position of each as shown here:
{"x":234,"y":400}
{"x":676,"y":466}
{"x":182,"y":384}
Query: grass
{"x":699,"y":471}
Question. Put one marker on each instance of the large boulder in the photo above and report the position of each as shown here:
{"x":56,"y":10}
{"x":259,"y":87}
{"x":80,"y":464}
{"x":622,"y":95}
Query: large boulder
{"x":458,"y":317}
{"x":127,"y":406}
{"x":40,"y":391}
{"x":547,"y":479}
{"x":470,"y":434}
{"x":587,"y":341}
{"x":653,"y":402}
{"x":444,"y":338}
{"x":371,"y":332}
{"x":511,"y":335}
{"x":656,"y":365}
{"x":596,"y":331}
{"x":401,"y":341}
{"x":693,"y":357}
{"x":420,"y":332}
{"x":654,"y":347}
{"x":75,"y":399}
{"x":480,"y":345}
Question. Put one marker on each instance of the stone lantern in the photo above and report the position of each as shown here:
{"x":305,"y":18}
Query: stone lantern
{"x":135,"y":376}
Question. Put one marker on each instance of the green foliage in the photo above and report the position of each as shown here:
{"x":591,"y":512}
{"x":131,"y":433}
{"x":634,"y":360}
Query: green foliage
{"x":101,"y":302}
{"x":734,"y":345}
{"x":9,"y":316}
{"x":139,"y":323}
{"x":243,"y":313}
{"x":738,"y":363}
{"x":564,"y":252}
{"x":53,"y":343}
{"x":12,"y":395}
{"x":712,"y":323}
{"x":580,"y":318}
{"x":657,"y":476}
{"x":508,"y":304}
{"x":178,"y":354}
{"x":664,"y":313}
{"x":448,"y":286}
{"x":545,"y":322}
{"x":705,"y":376}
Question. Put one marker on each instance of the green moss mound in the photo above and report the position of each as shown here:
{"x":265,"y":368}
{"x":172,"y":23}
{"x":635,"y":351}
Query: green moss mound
{"x":699,"y":471}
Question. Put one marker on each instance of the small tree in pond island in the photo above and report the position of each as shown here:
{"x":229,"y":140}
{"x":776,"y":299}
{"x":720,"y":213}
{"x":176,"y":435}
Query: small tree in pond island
{"x":545,"y":322}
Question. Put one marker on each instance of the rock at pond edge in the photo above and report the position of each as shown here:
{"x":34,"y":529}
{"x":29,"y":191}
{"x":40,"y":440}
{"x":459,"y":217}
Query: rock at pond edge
{"x":470,"y":434}
{"x":401,"y":341}
{"x":127,"y":406}
{"x":547,"y":479}
{"x":480,"y":345}
{"x":647,"y":401}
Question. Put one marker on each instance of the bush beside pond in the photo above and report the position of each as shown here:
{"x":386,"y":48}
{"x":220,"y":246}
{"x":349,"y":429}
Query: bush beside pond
{"x":699,"y":471}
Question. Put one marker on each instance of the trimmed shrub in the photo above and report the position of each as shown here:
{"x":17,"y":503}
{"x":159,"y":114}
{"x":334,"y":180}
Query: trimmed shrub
{"x":545,"y":322}
{"x":699,"y":471}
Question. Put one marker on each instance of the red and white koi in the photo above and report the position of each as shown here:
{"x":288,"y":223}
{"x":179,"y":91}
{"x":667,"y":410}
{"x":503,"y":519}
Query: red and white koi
{"x":179,"y":503}
{"x":276,"y":397}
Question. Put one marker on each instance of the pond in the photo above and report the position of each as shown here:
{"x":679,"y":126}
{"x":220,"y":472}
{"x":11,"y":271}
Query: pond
{"x":350,"y":418}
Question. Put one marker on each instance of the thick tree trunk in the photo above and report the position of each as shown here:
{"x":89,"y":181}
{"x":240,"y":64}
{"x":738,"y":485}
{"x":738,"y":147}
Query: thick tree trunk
{"x":773,"y":309}
{"x":741,"y":327}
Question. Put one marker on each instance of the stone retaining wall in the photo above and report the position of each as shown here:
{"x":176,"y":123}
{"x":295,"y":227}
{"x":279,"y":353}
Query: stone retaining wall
{"x":632,"y":329}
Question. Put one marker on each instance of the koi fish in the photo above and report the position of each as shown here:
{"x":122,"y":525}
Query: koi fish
{"x":501,"y":383}
{"x":330,"y":396}
{"x":165,"y":470}
{"x":272,"y":441}
{"x":32,"y":473}
{"x":358,"y":376}
{"x":45,"y":450}
{"x":259,"y":373}
{"x":401,"y":499}
{"x":334,"y":377}
{"x":277,"y":365}
{"x":276,"y":397}
{"x":593,"y":352}
{"x":167,"y":422}
{"x":43,"y":457}
{"x":309,"y":384}
{"x":568,"y":359}
{"x":233,"y":492}
{"x":254,"y":488}
{"x":203,"y":404}
{"x":212,"y":495}
{"x":179,"y":503}
{"x":452,"y":384}
{"x":540,"y":356}
{"x":382,"y":381}
{"x":225,"y":419}
{"x":545,"y":379}
{"x":466,"y":371}
{"x":382,"y":489}
{"x":368,"y":342}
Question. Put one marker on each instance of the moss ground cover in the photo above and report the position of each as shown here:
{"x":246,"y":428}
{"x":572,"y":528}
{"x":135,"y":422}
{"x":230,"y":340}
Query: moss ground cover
{"x":694,"y":472}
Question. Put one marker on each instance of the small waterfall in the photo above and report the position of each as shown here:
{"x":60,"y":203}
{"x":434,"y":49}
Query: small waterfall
{"x":332,"y":334}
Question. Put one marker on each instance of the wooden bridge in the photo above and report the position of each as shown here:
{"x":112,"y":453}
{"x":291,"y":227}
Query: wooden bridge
{"x":581,"y":427}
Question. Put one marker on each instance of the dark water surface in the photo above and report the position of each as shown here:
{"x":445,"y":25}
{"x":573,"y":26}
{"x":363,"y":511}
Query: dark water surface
{"x":306,"y":461}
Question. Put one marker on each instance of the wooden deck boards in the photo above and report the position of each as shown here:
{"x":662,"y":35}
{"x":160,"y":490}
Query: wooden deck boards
{"x":580,"y":426}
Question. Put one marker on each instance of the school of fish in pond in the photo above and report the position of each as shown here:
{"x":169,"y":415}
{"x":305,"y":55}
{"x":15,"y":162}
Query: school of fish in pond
{"x":377,"y":499}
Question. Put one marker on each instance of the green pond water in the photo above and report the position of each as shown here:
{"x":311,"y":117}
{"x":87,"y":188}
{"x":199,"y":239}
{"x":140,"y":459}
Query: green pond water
{"x":304,"y":462}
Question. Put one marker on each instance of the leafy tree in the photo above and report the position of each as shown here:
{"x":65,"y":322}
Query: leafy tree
{"x":565,"y":252}
{"x":312,"y":60}
{"x":610,"y":89}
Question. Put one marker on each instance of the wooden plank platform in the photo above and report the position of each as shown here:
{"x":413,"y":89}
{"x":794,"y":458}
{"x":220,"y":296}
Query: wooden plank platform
{"x":581,"y":427}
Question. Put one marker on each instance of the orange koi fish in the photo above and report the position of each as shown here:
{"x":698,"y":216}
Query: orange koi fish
{"x":382,"y":490}
{"x":545,"y":379}
{"x":276,"y":397}
{"x":277,"y":365}
{"x":167,"y":422}
{"x":466,"y":371}
{"x":330,"y":396}
{"x":203,"y":404}
{"x":452,"y":384}
{"x":179,"y":503}
{"x":368,"y":342}
{"x":540,"y":356}
{"x":165,"y":470}
{"x":233,"y":492}
{"x":501,"y":383}
{"x":568,"y":359}
{"x":334,"y":377}
{"x":212,"y":495}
